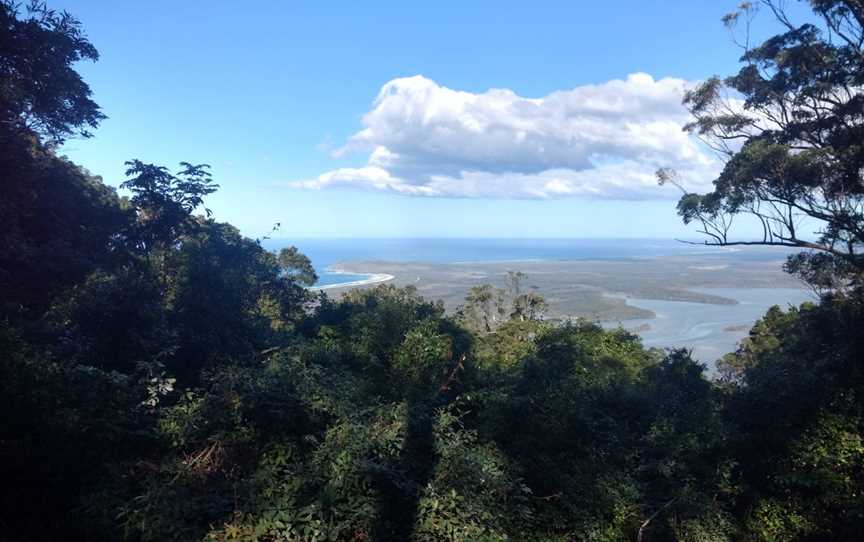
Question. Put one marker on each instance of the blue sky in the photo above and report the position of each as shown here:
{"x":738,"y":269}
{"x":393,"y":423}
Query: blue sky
{"x":281,"y":100}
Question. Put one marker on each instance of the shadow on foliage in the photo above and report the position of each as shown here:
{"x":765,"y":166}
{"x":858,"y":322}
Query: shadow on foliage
{"x":400,"y":494}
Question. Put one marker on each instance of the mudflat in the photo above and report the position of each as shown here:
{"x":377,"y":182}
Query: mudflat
{"x":596,"y":290}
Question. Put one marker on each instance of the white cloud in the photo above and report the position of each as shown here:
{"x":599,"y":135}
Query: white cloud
{"x":599,"y":141}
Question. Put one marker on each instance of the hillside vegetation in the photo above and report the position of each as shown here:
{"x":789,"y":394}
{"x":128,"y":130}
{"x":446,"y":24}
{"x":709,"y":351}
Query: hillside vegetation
{"x":164,"y":377}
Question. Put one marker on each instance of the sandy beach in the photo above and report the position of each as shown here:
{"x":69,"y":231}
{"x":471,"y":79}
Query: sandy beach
{"x":373,"y":278}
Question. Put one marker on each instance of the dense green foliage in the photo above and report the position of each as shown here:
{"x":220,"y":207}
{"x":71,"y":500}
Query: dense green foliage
{"x":165,"y":378}
{"x":39,"y":89}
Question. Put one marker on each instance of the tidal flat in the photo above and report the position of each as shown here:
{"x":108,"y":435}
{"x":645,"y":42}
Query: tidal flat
{"x":703,"y":302}
{"x":590,"y":289}
{"x":709,"y":330}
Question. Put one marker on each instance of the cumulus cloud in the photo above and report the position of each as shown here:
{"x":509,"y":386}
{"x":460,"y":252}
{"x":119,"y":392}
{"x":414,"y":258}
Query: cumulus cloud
{"x":598,"y":141}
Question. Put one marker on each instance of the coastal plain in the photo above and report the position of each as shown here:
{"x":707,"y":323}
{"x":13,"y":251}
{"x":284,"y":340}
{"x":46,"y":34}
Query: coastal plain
{"x":704,"y":303}
{"x":593,"y":289}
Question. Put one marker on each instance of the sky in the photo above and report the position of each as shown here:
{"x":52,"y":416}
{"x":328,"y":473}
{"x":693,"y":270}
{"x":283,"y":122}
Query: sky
{"x":412,"y":119}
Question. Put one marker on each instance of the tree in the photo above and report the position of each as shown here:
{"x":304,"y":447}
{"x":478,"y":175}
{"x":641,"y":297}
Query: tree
{"x":226,"y":299}
{"x":529,"y":306}
{"x":39,"y":89}
{"x":164,"y":203}
{"x":514,"y":283}
{"x":796,"y":421}
{"x":524,"y":305}
{"x":297,"y":266}
{"x":483,"y":307}
{"x":59,"y":224}
{"x":486,"y":307}
{"x":790,"y":125}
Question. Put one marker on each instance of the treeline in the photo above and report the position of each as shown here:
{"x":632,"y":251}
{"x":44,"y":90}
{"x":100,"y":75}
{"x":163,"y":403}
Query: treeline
{"x":165,"y":378}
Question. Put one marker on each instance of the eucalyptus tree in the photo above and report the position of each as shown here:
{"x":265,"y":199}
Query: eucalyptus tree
{"x":484,"y":307}
{"x":790,"y":128}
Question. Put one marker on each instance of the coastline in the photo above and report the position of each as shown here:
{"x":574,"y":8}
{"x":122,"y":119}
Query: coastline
{"x":594,"y":289}
{"x":373,"y":278}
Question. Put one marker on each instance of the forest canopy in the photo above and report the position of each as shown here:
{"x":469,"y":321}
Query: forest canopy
{"x":164,"y":377}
